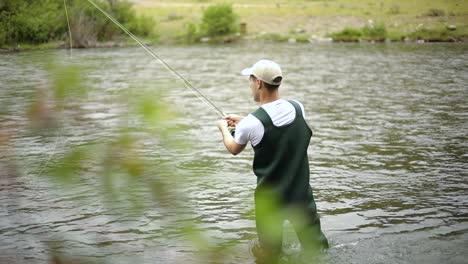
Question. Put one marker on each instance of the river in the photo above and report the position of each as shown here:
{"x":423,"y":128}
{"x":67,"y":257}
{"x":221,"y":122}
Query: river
{"x":388,"y":158}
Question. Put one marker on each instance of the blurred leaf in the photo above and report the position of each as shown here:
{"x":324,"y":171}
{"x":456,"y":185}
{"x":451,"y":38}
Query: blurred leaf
{"x":67,"y":82}
{"x":71,"y":165}
{"x":153,"y":110}
{"x":40,"y":112}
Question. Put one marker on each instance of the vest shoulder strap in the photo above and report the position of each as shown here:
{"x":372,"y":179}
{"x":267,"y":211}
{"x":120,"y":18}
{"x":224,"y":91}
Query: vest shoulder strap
{"x":263,"y":116}
{"x":297,"y":107}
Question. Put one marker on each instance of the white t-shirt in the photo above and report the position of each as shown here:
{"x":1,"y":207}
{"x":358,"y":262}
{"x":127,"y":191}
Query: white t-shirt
{"x":251,"y":129}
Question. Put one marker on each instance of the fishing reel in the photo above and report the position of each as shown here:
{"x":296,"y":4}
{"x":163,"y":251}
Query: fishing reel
{"x":232,"y":131}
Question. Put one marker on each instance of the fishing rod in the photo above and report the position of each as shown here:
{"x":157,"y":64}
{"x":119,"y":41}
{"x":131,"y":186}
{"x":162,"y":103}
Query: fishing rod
{"x":187,"y":84}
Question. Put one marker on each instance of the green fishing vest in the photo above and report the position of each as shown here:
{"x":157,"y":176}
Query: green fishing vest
{"x":280,"y":162}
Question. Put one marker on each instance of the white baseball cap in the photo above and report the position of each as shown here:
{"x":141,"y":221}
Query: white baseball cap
{"x":265,"y":70}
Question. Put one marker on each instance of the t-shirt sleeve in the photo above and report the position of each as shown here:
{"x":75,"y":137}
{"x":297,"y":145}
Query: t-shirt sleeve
{"x":242,"y":132}
{"x":247,"y":130}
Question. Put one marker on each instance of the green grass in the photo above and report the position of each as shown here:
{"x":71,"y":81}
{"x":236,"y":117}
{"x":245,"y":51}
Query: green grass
{"x":27,"y":46}
{"x":343,"y":20}
{"x":276,"y":21}
{"x":435,"y":34}
{"x":379,"y":34}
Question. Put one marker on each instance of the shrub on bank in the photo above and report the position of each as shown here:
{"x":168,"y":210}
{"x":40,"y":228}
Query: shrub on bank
{"x":124,"y":13}
{"x":218,"y":25}
{"x":29,"y":21}
{"x":218,"y":20}
{"x":371,"y":32}
{"x":434,"y":35}
{"x":435,"y":12}
{"x":347,"y":35}
{"x":191,"y":33}
{"x":376,"y":32}
{"x":379,"y":33}
{"x":274,"y":37}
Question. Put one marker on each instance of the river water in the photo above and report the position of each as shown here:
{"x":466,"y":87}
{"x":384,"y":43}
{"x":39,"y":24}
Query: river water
{"x":388,"y":158}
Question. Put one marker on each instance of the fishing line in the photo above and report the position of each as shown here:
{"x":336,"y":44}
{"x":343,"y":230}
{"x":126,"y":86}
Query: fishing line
{"x":69,"y":28}
{"x":60,"y":128}
{"x":154,"y":55}
{"x":167,"y":66}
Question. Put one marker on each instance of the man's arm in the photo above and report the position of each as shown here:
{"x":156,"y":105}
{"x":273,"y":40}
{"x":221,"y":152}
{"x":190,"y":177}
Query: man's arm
{"x":228,"y":140}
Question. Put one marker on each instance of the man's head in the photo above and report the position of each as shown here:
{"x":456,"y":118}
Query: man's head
{"x":264,"y":73}
{"x":265,"y":70}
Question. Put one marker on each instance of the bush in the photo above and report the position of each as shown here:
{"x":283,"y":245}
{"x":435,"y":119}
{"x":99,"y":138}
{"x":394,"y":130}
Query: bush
{"x":275,"y":37}
{"x":86,"y":18}
{"x":368,"y":32}
{"x":435,"y":12}
{"x":434,"y":35}
{"x":375,"y":32}
{"x":394,"y":10}
{"x":30,"y":21}
{"x":126,"y":15}
{"x":191,"y":33}
{"x":38,"y":21}
{"x":2,"y":35}
{"x":219,"y":20}
{"x":347,"y":35}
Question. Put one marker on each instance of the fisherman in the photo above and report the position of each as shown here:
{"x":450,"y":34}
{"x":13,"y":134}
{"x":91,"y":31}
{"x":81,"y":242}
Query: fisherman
{"x":280,"y":137}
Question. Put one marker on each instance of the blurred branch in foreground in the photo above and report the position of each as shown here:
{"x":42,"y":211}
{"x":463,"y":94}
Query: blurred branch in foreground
{"x":124,"y":164}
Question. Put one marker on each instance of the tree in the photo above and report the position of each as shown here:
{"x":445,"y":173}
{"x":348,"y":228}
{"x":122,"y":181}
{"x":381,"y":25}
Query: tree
{"x":219,"y":20}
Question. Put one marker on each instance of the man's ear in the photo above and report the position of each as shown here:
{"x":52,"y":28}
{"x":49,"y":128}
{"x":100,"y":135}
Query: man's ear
{"x":259,"y":83}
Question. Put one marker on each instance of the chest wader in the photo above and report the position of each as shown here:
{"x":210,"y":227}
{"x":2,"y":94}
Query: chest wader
{"x":283,"y":191}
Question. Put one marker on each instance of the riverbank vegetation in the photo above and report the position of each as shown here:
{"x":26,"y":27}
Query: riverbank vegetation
{"x":218,"y":24}
{"x":379,"y":33}
{"x":25,"y":23}
{"x":308,"y":21}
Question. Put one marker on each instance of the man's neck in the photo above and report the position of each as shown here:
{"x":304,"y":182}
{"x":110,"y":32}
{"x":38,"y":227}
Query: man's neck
{"x":268,"y":98}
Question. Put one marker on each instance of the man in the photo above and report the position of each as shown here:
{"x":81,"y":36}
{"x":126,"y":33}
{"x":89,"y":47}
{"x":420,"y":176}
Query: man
{"x":280,"y":137}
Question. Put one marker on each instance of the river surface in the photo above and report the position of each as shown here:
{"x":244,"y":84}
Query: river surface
{"x":388,"y":158}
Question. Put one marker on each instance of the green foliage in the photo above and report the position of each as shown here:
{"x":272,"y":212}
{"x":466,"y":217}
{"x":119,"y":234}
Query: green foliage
{"x":376,"y":32}
{"x":379,"y":32}
{"x":302,"y":38}
{"x":143,"y":26}
{"x":394,"y":10}
{"x":435,"y":12}
{"x":219,"y":20}
{"x":126,"y":15}
{"x":118,"y":165}
{"x":191,"y":33}
{"x":441,"y":34}
{"x":275,"y":37}
{"x":67,"y":83}
{"x":347,"y":35}
{"x":70,"y":164}
{"x":30,"y":21}
{"x":90,"y":25}
{"x":39,"y":21}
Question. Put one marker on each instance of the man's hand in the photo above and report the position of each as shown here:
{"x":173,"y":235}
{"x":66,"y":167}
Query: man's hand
{"x":228,"y":140}
{"x":222,"y":124}
{"x":233,"y":120}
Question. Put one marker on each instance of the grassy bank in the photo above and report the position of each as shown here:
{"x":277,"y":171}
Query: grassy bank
{"x":180,"y":21}
{"x":302,"y":20}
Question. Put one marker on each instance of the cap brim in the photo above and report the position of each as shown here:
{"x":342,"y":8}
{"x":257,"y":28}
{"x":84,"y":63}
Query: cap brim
{"x":247,"y":71}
